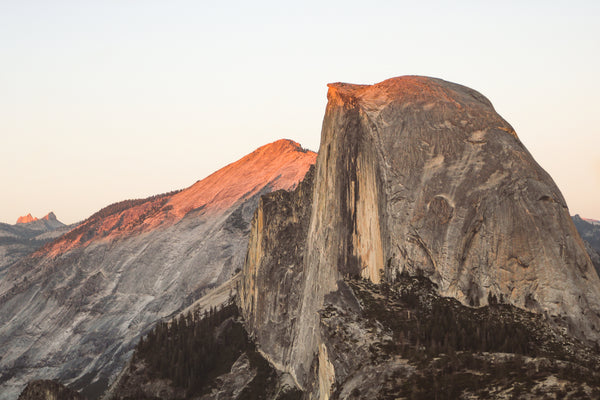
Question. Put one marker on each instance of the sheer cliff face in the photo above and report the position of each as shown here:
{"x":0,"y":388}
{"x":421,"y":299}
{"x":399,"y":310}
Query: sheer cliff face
{"x":421,"y":175}
{"x":74,"y":310}
{"x":272,"y":282}
{"x":459,"y":199}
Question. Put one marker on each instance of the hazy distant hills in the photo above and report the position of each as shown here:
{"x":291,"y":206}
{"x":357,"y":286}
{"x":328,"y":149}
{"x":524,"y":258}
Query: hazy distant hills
{"x":75,"y":308}
{"x":26,"y":236}
{"x":589,"y":230}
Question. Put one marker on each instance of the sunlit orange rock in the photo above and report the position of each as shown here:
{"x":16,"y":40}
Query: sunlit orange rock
{"x":281,"y":165}
{"x":49,"y":217}
{"x":25,"y":219}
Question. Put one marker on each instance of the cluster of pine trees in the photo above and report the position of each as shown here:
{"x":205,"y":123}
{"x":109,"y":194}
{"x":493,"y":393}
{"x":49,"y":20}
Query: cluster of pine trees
{"x":447,"y":341}
{"x":89,"y":226}
{"x":194,"y":349}
{"x":448,"y":328}
{"x":444,"y":325}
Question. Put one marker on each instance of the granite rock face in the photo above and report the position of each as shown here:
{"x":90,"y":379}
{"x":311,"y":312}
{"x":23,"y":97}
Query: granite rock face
{"x":272,"y":280}
{"x":414,"y":175}
{"x":75,"y":309}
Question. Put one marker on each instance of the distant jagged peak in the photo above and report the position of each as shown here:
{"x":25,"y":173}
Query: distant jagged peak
{"x":25,"y":219}
{"x":50,"y":216}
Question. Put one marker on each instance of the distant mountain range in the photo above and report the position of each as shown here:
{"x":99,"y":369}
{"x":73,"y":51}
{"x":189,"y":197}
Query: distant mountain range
{"x":26,"y":236}
{"x":589,"y":230}
{"x":591,"y":221}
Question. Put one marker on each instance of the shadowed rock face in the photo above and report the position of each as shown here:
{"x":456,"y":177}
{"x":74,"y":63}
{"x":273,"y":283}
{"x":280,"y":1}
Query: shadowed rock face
{"x":419,"y":175}
{"x":74,"y":310}
{"x":272,"y":281}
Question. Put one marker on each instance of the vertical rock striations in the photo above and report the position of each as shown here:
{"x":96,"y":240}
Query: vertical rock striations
{"x":419,"y":175}
{"x":273,"y":280}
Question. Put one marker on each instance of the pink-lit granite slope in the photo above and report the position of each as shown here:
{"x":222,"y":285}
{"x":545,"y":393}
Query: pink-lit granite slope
{"x":279,"y":165}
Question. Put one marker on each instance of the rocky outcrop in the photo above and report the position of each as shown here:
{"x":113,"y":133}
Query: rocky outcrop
{"x":48,"y":390}
{"x":421,"y":176}
{"x":25,"y":219}
{"x":74,"y":310}
{"x":47,"y":222}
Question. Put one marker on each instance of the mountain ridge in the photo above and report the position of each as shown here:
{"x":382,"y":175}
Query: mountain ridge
{"x":27,"y":219}
{"x":74,"y":310}
{"x":24,"y":238}
{"x":218,"y":191}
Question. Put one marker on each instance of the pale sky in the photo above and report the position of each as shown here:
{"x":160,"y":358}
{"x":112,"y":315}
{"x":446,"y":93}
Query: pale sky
{"x":102,"y":101}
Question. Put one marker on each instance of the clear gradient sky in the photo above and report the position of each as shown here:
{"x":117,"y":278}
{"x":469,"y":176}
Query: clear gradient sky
{"x":102,"y":101}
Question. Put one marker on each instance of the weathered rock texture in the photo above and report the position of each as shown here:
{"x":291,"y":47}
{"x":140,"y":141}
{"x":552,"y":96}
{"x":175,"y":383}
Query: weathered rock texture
{"x":419,"y":175}
{"x":272,"y":281}
{"x":74,"y":310}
